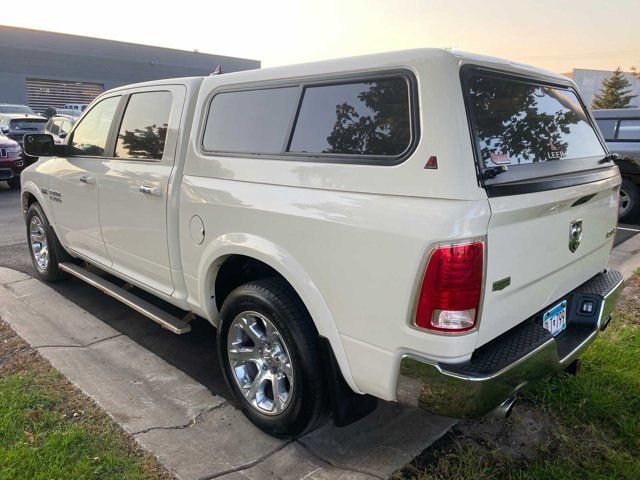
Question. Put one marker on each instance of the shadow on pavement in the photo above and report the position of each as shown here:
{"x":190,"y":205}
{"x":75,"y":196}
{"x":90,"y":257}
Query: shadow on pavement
{"x":194,"y":353}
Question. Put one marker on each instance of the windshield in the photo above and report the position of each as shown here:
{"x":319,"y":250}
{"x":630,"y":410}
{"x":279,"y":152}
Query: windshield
{"x":520,"y":122}
{"x":16,"y":109}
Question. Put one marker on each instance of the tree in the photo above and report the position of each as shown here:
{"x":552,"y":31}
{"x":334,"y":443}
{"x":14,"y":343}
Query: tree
{"x":615,"y":92}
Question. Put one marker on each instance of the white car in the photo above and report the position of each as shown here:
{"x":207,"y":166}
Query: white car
{"x":427,"y":226}
{"x":59,"y":127}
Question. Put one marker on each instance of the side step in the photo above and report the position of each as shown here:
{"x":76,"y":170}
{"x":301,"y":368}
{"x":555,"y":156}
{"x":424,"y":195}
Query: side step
{"x":159,"y":316}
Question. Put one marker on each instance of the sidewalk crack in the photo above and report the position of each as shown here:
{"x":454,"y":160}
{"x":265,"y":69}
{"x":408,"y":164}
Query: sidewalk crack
{"x":190,"y":423}
{"x":8,"y":285}
{"x":250,"y":464}
{"x":91,"y":344}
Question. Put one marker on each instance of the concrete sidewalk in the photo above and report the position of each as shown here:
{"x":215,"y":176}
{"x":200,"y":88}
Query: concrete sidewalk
{"x":626,"y":256}
{"x":194,"y":433}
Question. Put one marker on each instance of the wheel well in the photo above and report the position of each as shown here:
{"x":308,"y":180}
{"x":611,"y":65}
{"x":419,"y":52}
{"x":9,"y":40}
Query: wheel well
{"x":238,"y":270}
{"x":346,"y":405}
{"x":27,"y":200}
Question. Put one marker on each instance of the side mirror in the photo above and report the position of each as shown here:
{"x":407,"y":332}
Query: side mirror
{"x":62,"y":135}
{"x":4,"y":129}
{"x":39,"y":145}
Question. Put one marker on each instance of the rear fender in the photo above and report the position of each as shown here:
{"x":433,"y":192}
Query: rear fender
{"x":281,"y":261}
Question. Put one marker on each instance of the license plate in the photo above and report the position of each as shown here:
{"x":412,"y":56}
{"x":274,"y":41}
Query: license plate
{"x":555,"y":319}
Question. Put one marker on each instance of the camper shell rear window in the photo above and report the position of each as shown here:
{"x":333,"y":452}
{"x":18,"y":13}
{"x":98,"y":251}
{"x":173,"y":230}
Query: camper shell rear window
{"x":524,"y":128}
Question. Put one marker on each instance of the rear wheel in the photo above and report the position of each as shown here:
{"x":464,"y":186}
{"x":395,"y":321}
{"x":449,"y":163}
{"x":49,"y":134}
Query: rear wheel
{"x":44,"y":247}
{"x":629,"y":200}
{"x":269,"y":353}
{"x":14,"y":183}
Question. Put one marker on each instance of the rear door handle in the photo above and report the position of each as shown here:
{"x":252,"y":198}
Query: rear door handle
{"x":155,"y":191}
{"x":89,"y":180}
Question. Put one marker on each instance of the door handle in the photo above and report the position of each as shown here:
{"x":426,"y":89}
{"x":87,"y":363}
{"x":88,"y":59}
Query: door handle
{"x":155,"y":191}
{"x":89,"y":180}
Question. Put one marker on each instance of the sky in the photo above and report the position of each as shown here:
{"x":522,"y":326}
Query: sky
{"x":559,"y":35}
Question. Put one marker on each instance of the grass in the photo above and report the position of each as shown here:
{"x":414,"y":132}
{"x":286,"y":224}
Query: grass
{"x":583,"y":427}
{"x":50,"y":430}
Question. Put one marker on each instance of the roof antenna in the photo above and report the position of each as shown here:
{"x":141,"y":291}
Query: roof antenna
{"x":217,"y":71}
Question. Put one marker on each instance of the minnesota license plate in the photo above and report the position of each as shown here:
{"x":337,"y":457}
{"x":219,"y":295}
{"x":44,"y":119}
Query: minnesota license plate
{"x":555,"y":319}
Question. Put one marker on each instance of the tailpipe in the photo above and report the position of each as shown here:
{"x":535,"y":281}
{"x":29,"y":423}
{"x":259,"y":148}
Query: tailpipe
{"x":505,"y":408}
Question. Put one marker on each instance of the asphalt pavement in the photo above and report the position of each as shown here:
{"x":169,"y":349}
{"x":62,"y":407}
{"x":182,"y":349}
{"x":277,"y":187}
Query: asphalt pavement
{"x":193,"y":353}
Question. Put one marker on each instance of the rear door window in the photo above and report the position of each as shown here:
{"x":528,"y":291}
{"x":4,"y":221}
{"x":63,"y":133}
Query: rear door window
{"x":143,"y":130}
{"x":369,"y":118}
{"x":521,"y":122}
{"x":54,"y":127}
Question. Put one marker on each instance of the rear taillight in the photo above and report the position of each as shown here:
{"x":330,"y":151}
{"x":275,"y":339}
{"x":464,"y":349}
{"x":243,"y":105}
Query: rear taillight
{"x":450,"y":294}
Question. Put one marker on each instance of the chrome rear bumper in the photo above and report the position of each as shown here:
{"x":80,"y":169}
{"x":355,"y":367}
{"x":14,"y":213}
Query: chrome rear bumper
{"x":499,"y":369}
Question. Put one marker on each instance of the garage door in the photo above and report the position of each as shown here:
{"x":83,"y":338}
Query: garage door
{"x":43,"y":93}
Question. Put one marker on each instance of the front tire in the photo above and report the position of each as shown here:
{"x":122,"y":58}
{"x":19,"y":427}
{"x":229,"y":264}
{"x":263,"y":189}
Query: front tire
{"x":44,"y":247}
{"x":269,"y":352}
{"x":629,"y":200}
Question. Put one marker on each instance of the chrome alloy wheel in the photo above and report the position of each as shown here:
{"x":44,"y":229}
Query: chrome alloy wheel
{"x":625,"y":202}
{"x":260,"y":363}
{"x":38,"y":242}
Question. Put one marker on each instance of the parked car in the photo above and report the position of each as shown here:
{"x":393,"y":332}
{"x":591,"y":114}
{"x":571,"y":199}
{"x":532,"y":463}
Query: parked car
{"x":621,"y":130}
{"x":15,"y":108}
{"x":59,"y":127}
{"x":11,"y":162}
{"x":16,"y":125}
{"x":427,"y":226}
{"x":53,"y":111}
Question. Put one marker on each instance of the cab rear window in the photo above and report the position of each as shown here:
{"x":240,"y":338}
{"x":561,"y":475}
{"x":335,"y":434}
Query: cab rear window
{"x":518,"y":122}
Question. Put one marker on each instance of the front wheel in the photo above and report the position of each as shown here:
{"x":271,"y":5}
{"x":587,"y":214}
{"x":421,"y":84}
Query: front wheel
{"x":269,"y":353}
{"x":44,"y":247}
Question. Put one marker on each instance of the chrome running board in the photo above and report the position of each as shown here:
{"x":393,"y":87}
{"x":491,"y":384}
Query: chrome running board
{"x":156,"y":314}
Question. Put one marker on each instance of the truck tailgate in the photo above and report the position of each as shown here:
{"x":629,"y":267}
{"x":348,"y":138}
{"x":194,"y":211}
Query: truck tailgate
{"x":528,"y":244}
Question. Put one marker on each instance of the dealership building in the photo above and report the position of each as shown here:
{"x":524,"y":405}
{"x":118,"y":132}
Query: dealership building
{"x":46,"y":69}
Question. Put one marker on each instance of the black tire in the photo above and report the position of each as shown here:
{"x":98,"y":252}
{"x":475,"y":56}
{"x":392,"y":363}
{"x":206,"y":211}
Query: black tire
{"x":56,"y":253}
{"x":14,"y":183}
{"x":630,"y":194}
{"x":274,"y":299}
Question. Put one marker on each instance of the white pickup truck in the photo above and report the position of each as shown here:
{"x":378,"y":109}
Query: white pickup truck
{"x":426,"y":226}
